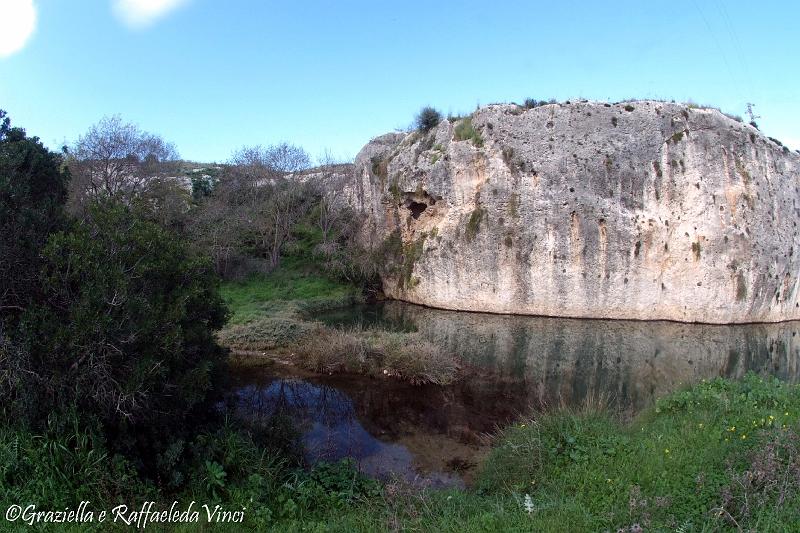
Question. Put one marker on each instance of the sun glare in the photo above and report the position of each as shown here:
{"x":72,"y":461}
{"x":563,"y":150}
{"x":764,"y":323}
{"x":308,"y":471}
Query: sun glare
{"x":17,"y":22}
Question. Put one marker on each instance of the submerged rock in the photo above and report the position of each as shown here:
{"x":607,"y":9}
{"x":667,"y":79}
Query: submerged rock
{"x":637,"y":210}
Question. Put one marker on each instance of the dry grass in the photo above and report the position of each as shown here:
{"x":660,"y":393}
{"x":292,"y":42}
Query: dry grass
{"x":376,"y":352}
{"x":265,"y":334}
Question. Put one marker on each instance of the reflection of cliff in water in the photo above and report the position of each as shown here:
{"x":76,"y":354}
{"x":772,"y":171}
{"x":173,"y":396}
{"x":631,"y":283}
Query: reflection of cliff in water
{"x":555,"y":360}
{"x":433,"y":435}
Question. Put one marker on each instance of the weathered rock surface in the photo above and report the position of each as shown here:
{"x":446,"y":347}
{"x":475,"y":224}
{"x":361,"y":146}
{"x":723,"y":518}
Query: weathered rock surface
{"x":639,"y":210}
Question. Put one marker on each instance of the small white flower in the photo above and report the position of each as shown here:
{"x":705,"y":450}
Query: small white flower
{"x":528,"y":504}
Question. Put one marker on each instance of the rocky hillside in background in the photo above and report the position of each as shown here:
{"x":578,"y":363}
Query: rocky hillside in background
{"x":636,"y":210}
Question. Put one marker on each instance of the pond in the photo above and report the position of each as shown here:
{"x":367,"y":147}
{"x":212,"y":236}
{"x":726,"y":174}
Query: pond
{"x":436,"y":436}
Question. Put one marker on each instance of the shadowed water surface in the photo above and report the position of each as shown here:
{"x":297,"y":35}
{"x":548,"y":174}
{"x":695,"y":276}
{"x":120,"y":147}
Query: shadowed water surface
{"x":436,"y":435}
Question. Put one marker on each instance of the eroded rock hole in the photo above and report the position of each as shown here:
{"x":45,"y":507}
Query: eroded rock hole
{"x":417,"y":208}
{"x":417,"y":203}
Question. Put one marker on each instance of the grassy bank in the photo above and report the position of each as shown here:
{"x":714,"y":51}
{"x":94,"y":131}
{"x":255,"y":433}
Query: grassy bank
{"x":294,"y":284}
{"x":269,"y":313}
{"x":375,"y":352}
{"x":273,"y":318}
{"x":721,"y":456}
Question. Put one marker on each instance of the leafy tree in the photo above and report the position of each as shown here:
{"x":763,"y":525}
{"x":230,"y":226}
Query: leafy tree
{"x":202,"y":186}
{"x":427,"y":119}
{"x":125,"y":333}
{"x":32,"y":193}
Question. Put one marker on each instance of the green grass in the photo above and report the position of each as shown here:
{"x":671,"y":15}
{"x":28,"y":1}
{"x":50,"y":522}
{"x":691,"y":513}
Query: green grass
{"x":474,"y":223}
{"x":271,"y":312}
{"x":668,"y":467}
{"x":465,"y":130}
{"x":247,"y":299}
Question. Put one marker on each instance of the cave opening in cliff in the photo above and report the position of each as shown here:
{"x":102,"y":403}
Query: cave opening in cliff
{"x":416,"y":208}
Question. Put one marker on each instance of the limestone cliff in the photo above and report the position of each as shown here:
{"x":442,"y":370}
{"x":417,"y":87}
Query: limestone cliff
{"x":637,"y":210}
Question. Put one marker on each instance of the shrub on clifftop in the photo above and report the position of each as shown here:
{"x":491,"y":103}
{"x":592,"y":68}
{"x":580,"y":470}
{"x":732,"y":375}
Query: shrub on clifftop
{"x":427,"y":119}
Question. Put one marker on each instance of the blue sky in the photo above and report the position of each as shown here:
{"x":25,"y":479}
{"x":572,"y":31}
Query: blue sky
{"x":213,"y":75}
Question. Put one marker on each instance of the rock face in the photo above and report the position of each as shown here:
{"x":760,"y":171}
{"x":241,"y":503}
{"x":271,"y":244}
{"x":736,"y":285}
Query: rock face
{"x":638,"y":210}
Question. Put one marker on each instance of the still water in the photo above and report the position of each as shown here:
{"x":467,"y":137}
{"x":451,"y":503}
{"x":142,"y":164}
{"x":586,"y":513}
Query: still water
{"x":517,"y":365}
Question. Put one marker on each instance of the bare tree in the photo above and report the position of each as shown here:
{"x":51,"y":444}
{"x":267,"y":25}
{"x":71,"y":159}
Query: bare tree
{"x":116,"y":160}
{"x":215,"y":229}
{"x":254,"y":207}
{"x":271,"y":201}
{"x":264,"y":163}
{"x":289,"y":202}
{"x":167,"y":200}
{"x":330,"y":183}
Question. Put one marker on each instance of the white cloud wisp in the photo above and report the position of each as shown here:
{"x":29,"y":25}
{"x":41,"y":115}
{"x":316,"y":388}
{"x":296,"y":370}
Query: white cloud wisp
{"x":138,"y":14}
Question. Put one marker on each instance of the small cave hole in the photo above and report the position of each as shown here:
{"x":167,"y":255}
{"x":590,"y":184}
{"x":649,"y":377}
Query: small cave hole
{"x":418,"y":202}
{"x":416,"y":208}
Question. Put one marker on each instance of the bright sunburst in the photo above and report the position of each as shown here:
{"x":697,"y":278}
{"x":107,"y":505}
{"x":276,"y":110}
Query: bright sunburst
{"x":18,"y":22}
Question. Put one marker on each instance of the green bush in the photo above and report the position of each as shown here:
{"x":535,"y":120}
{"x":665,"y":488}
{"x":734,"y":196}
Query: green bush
{"x":531,"y":103}
{"x":474,"y":222}
{"x":125,"y":332}
{"x":33,"y":190}
{"x":427,"y":119}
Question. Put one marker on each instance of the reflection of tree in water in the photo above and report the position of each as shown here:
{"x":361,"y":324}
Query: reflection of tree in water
{"x":324,"y":415}
{"x":299,"y":400}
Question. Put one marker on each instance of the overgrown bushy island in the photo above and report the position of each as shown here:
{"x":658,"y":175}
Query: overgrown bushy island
{"x":116,"y":335}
